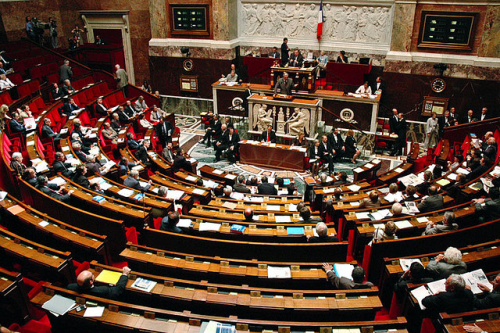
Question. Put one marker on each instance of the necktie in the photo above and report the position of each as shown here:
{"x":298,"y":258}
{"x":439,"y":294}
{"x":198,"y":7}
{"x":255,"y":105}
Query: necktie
{"x":268,"y":137}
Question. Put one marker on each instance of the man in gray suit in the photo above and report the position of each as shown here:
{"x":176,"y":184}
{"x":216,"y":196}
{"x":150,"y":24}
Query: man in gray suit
{"x":433,"y":202}
{"x":285,"y":85}
{"x":65,"y":72}
{"x":121,"y":78}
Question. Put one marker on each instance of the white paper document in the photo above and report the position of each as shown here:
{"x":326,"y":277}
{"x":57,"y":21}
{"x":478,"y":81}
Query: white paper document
{"x":208,"y":226}
{"x":125,"y":192}
{"x":94,"y":311}
{"x":217,"y":172}
{"x":354,"y":188}
{"x":283,"y":219}
{"x":420,"y":293}
{"x":274,"y":272}
{"x":343,"y":270}
{"x":403,"y":224}
{"x":406,"y":263}
{"x":198,"y":191}
{"x":273,"y":207}
{"x":184,"y":223}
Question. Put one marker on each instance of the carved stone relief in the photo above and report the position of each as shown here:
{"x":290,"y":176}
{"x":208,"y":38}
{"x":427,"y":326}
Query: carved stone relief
{"x":370,"y":24}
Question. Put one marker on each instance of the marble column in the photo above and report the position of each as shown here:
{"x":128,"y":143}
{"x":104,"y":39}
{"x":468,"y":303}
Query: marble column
{"x":402,"y":28}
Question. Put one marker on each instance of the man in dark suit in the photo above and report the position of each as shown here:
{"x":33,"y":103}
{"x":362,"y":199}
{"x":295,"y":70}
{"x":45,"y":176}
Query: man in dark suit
{"x":69,"y":105}
{"x":212,"y":131}
{"x":59,"y":166}
{"x":56,"y":91}
{"x":164,"y":131}
{"x":482,"y":168}
{"x":284,"y":51}
{"x":180,"y":162}
{"x":379,"y":86}
{"x":275,"y":54}
{"x":423,"y":187}
{"x":266,"y":188}
{"x":233,"y":145}
{"x":15,"y":124}
{"x":433,"y":202}
{"x":240,"y":185}
{"x":142,"y":154}
{"x":284,"y":85}
{"x":122,"y":116}
{"x":132,"y":143}
{"x":132,"y":181}
{"x":129,"y":109}
{"x":453,"y":115}
{"x":456,"y":298}
{"x":325,"y":151}
{"x":305,"y":214}
{"x":296,"y":59}
{"x":393,"y":121}
{"x":85,"y":285}
{"x":490,"y":150}
{"x":53,"y":190}
{"x":489,"y":298}
{"x":484,"y":114}
{"x":77,"y":149}
{"x":269,"y":135}
{"x":343,"y":283}
{"x":337,"y":144}
{"x":323,"y":237}
{"x":222,"y":142}
{"x":65,"y":71}
{"x":445,"y":121}
{"x":47,"y":131}
{"x":401,"y":139}
{"x":470,"y":117}
{"x":67,"y":88}
{"x":101,"y":108}
{"x":488,"y":209}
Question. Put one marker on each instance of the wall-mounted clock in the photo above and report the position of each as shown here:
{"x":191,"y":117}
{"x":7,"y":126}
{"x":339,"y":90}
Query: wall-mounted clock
{"x":188,"y":65}
{"x":438,"y":85}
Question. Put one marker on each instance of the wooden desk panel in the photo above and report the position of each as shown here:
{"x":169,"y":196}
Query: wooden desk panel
{"x":279,"y":157}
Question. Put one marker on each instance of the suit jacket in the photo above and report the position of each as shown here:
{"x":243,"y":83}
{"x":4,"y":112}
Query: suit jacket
{"x":296,"y":61}
{"x":275,"y":55}
{"x":47,"y":132}
{"x":16,"y":126}
{"x":65,"y":72}
{"x":323,"y":239}
{"x":17,"y":167}
{"x":166,"y":226}
{"x":164,"y":131}
{"x":442,"y":270}
{"x":285,"y":87}
{"x":475,"y":173}
{"x":129,"y":110}
{"x":336,"y":144}
{"x":142,"y":155}
{"x":101,"y":109}
{"x":450,"y":301}
{"x":82,"y":181}
{"x":487,"y":300}
{"x":115,"y":124}
{"x":109,"y":134}
{"x":52,"y":192}
{"x":401,"y":130}
{"x":343,"y":283}
{"x":139,"y":107}
{"x":81,"y":155}
{"x":134,"y":183}
{"x":122,"y":116}
{"x":423,"y":188}
{"x":490,"y":209}
{"x":491,"y":152}
{"x":234,"y":141}
{"x":381,"y":87}
{"x":180,"y":162}
{"x":272,"y":136}
{"x":67,"y":89}
{"x":267,"y":188}
{"x":57,"y":93}
{"x":216,"y":127}
{"x":350,"y":146}
{"x":241,"y":188}
{"x":284,"y":53}
{"x":121,"y":78}
{"x":431,"y":203}
{"x":67,"y":109}
{"x":102,"y":291}
{"x":393,"y":123}
{"x":313,"y":154}
{"x":325,"y":151}
{"x":346,"y":60}
{"x":168,"y":155}
{"x":63,"y":168}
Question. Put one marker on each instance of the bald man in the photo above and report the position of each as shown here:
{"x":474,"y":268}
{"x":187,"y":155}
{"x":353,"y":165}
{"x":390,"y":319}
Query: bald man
{"x":248,"y":214}
{"x":85,"y":285}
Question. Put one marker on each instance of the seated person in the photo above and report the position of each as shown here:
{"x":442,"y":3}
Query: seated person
{"x":394,"y":195}
{"x":489,"y":298}
{"x":142,"y":154}
{"x":300,"y":140}
{"x":446,"y":225}
{"x":233,"y":145}
{"x":56,"y":91}
{"x":77,"y":149}
{"x":416,"y":274}
{"x":156,"y":114}
{"x":232,"y":76}
{"x":167,"y":153}
{"x":351,"y":147}
{"x":389,"y":232}
{"x":372,"y":201}
{"x":213,"y":131}
{"x":67,"y":88}
{"x":53,"y":190}
{"x":342,"y":283}
{"x":443,"y":265}
{"x":125,"y":166}
{"x":305,"y":214}
{"x":456,"y":299}
{"x":94,"y":167}
{"x":484,"y":166}
{"x":269,"y":135}
{"x":140,"y":105}
{"x":115,"y":122}
{"x":314,"y":158}
{"x":132,"y":143}
{"x":85,"y":285}
{"x":342,"y":58}
{"x":80,"y":177}
{"x":410,"y":193}
{"x":69,"y":105}
{"x":108,"y":132}
{"x":323,"y":237}
{"x":122,"y":116}
{"x":433,"y":202}
{"x":266,"y":188}
{"x":48,"y":132}
{"x":239,"y":186}
{"x":5,"y":82}
{"x":16,"y":125}
{"x":132,"y":181}
{"x":488,"y":209}
{"x":342,"y":178}
{"x":296,"y":59}
{"x":364,"y":89}
{"x":16,"y":164}
{"x":59,"y":166}
{"x":100,"y":108}
{"x":180,"y":162}
{"x":248,"y":214}
{"x":129,"y":109}
{"x":423,"y":188}
{"x":169,"y":223}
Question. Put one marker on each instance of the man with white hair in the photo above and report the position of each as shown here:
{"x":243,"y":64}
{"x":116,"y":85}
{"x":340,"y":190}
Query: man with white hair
{"x":132,"y":181}
{"x":16,"y":163}
{"x":77,"y":148}
{"x":323,"y":237}
{"x":456,"y":298}
{"x":67,"y":88}
{"x":65,"y":71}
{"x":443,"y":265}
{"x":448,"y":224}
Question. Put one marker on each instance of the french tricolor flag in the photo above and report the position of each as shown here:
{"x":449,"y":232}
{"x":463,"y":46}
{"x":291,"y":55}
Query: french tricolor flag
{"x":320,"y":21}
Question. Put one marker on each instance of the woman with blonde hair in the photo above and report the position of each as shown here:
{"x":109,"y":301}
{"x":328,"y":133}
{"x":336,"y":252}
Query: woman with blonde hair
{"x":300,"y":140}
{"x":351,"y":147}
{"x":4,"y":115}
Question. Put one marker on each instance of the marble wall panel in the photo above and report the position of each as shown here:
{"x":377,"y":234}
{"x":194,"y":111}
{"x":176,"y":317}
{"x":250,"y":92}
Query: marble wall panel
{"x":196,"y":52}
{"x":490,"y":43}
{"x":220,"y":19}
{"x":404,"y":15}
{"x":158,"y":18}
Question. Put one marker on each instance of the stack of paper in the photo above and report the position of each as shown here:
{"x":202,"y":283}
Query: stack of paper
{"x":94,"y":311}
{"x":343,"y":270}
{"x":190,"y":178}
{"x":174,"y":194}
{"x":198,"y":191}
{"x":59,"y":305}
{"x":208,"y":226}
{"x":184,"y":223}
{"x":354,"y":187}
{"x":403,"y":224}
{"x":144,"y":284}
{"x":125,"y":192}
{"x":420,"y":293}
{"x":283,"y":219}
